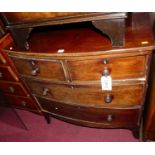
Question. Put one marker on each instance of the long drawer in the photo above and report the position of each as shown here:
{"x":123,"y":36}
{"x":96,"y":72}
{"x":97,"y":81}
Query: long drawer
{"x":120,"y":96}
{"x":101,"y":117}
{"x":118,"y":68}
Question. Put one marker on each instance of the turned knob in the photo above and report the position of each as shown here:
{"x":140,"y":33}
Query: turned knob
{"x":106,"y":71}
{"x":109,"y":117}
{"x":108,"y":98}
{"x":23,"y":103}
{"x":45,"y":91}
{"x":12,"y":89}
{"x":27,"y":46}
{"x":35,"y":71}
{"x":105,"y":61}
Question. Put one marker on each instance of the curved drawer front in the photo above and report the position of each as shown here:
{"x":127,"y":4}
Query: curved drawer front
{"x":109,"y":117}
{"x":13,"y":88}
{"x":40,"y":68}
{"x":121,"y":96}
{"x":6,"y":73}
{"x":21,"y":102}
{"x":119,"y":68}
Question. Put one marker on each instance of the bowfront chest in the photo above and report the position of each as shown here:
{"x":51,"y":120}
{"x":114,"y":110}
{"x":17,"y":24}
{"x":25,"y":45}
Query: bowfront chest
{"x":76,"y":74}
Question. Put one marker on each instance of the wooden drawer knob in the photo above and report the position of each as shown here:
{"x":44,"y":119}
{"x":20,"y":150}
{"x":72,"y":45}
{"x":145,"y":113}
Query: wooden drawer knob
{"x":12,"y":89}
{"x":45,"y":91}
{"x":35,"y":71}
{"x":56,"y":108}
{"x":27,"y":46}
{"x":105,"y":61}
{"x":23,"y":103}
{"x":35,"y":68}
{"x":109,"y":117}
{"x":108,"y":98}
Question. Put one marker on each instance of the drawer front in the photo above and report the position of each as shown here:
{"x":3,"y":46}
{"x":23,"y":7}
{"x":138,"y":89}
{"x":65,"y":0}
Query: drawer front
{"x":120,"y":96}
{"x":6,"y":73}
{"x":39,"y":68}
{"x":13,"y":88}
{"x":110,"y":117}
{"x":119,"y":68}
{"x":2,"y":59}
{"x":21,"y":102}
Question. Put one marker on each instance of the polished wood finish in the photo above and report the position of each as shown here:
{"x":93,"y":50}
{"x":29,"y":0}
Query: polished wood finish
{"x":122,"y":96}
{"x":118,"y":68}
{"x":50,"y":69}
{"x":20,"y":24}
{"x":63,"y":65}
{"x":92,"y":69}
{"x":94,"y":117}
{"x":82,"y":40}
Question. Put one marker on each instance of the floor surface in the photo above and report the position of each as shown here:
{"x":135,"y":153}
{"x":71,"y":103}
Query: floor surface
{"x":35,"y":129}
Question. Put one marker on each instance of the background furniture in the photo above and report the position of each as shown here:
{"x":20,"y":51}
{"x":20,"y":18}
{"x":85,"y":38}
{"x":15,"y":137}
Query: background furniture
{"x":11,"y":85}
{"x":21,"y":24}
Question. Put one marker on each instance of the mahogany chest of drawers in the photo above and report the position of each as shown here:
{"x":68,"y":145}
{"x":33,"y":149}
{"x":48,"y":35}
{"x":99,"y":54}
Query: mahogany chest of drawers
{"x":63,"y":67}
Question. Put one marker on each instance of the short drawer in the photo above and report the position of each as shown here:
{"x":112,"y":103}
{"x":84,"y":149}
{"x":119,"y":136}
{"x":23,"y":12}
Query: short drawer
{"x":119,"y":68}
{"x":120,"y":96}
{"x":51,"y":69}
{"x":102,"y":116}
{"x":14,"y":88}
{"x":21,"y":102}
{"x":6,"y":73}
{"x":2,"y":59}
